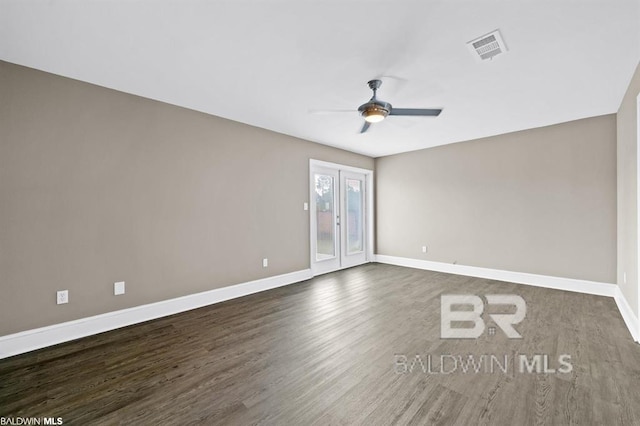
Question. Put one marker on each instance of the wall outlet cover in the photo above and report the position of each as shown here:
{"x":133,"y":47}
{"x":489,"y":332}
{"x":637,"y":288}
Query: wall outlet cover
{"x":118,"y":288}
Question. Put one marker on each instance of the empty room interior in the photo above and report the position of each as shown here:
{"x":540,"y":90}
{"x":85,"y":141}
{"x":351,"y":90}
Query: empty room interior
{"x":294,"y":213}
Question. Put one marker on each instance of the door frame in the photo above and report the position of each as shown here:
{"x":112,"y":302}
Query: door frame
{"x":369,"y":207}
{"x":637,"y":283}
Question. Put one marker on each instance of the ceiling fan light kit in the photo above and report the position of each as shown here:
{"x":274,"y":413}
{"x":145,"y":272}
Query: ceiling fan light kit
{"x":374,"y":113}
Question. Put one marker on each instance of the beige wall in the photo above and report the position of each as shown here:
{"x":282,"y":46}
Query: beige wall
{"x":98,"y":186}
{"x":627,"y":128}
{"x":541,"y":201}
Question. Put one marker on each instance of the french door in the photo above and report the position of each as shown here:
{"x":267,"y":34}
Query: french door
{"x":339,"y":218}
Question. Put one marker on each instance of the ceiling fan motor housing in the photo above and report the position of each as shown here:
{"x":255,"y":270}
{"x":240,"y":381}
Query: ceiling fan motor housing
{"x":374,"y":111}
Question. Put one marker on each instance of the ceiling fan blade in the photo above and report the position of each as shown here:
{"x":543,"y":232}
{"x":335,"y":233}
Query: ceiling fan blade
{"x":415,"y":111}
{"x":330,"y":111}
{"x":365,"y":127}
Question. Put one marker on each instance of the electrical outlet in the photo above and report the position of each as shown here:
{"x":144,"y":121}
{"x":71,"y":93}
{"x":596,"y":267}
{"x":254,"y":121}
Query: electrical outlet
{"x":305,"y":206}
{"x":424,"y":249}
{"x":118,"y":288}
{"x":62,"y":297}
{"x":265,"y":263}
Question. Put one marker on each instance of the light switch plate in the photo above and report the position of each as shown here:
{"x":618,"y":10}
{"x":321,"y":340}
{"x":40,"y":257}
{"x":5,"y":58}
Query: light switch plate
{"x":62,"y":297}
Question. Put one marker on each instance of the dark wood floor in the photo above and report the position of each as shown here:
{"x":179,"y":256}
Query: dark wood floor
{"x":324,"y":352}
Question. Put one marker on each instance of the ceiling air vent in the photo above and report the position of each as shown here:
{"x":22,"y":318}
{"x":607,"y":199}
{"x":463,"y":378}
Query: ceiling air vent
{"x":487,"y":46}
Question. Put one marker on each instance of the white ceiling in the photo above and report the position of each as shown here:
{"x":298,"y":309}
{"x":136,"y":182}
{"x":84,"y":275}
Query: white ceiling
{"x":267,"y":63}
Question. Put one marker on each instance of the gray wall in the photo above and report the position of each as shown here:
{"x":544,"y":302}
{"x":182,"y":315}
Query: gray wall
{"x":98,"y":186}
{"x":627,"y":128}
{"x":541,"y":201}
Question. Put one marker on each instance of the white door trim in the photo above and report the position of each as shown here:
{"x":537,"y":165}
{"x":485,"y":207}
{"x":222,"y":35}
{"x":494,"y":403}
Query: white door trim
{"x":637,"y":213}
{"x":369,"y":202}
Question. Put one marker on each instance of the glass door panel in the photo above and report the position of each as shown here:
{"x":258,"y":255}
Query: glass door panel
{"x":353,"y":234}
{"x":325,"y":216}
{"x":354,"y":225}
{"x":325,"y":220}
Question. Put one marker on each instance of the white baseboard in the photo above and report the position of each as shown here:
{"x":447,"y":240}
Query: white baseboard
{"x":557,"y":283}
{"x":26,"y":341}
{"x":630,"y":319}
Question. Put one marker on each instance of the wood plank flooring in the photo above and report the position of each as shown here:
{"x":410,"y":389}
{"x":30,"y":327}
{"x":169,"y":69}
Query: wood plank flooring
{"x":325,"y":351}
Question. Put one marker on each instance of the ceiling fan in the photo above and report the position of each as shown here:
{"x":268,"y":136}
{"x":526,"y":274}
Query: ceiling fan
{"x":376,"y":110}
